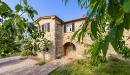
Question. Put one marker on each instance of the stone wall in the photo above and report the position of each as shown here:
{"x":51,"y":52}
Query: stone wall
{"x":59,"y":39}
{"x":50,"y":36}
{"x":79,"y":47}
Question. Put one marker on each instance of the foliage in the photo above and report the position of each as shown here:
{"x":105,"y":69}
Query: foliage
{"x":64,"y":70}
{"x":8,"y":46}
{"x":13,"y":24}
{"x":40,"y":41}
{"x":35,"y":42}
{"x":111,"y":14}
{"x":80,"y":66}
{"x":114,"y":66}
{"x":26,"y":53}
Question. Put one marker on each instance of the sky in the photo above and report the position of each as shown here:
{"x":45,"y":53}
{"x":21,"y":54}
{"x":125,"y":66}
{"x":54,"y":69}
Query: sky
{"x":54,"y":7}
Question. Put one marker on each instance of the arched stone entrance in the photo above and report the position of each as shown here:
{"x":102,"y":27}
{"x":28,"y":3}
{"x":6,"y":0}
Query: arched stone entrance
{"x":69,"y":49}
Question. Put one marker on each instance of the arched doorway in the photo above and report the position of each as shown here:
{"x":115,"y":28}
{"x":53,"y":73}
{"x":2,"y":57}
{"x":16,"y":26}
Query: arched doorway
{"x":69,"y":49}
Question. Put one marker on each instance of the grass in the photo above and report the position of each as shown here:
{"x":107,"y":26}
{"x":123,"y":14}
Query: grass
{"x":23,"y":58}
{"x":82,"y":67}
{"x":40,"y":63}
{"x":10,"y":55}
{"x":114,"y":67}
{"x":64,"y":70}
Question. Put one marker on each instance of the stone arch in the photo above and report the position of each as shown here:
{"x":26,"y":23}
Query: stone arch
{"x":69,"y":49}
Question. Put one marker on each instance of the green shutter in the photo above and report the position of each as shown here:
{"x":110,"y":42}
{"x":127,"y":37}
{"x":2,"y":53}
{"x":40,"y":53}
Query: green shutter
{"x":48,"y":27}
{"x":64,"y":28}
{"x":43,"y":28}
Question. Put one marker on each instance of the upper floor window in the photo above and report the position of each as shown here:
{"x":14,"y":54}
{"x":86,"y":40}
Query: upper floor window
{"x":69,"y":28}
{"x":39,"y":28}
{"x":44,"y":27}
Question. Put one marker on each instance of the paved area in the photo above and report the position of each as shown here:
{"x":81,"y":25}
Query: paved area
{"x":49,"y":67}
{"x":28,"y":67}
{"x":16,"y":65}
{"x":9,"y":59}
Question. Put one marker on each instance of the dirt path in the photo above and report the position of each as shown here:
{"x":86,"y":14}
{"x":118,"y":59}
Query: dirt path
{"x":28,"y":68}
{"x":16,"y":65}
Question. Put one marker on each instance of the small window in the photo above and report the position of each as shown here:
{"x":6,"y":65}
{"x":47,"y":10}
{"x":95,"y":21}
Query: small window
{"x":46,"y":27}
{"x":39,"y":28}
{"x":69,"y":28}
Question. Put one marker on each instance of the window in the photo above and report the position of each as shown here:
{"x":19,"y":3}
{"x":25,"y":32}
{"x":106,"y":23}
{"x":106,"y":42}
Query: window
{"x":44,"y":27}
{"x":69,"y":28}
{"x":73,"y":27}
{"x":39,"y":28}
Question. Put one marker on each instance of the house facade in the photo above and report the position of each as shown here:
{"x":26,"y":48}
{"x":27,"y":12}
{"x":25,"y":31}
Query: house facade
{"x":60,"y":34}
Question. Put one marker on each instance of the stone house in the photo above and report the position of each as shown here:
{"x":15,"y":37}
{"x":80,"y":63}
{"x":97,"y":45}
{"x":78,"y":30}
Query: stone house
{"x":60,"y":33}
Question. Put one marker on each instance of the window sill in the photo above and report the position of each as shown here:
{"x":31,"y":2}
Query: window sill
{"x":68,"y":32}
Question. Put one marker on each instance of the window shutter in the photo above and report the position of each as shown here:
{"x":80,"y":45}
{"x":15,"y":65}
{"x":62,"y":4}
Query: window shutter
{"x":48,"y":27}
{"x":73,"y":27}
{"x":39,"y":28}
{"x":64,"y":28}
{"x":43,"y":28}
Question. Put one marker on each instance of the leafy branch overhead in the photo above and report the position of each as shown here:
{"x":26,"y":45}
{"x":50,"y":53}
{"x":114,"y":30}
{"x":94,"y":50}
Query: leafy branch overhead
{"x":109,"y":19}
{"x":14,"y":19}
{"x":14,"y":24}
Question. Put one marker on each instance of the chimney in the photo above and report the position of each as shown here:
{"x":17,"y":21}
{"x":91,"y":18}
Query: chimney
{"x":83,"y":16}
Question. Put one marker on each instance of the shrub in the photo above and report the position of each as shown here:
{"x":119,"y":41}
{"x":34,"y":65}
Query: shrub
{"x":26,"y":53}
{"x":82,"y":67}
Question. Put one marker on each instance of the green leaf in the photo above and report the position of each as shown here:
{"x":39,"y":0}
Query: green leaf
{"x":25,"y":2}
{"x":5,"y":10}
{"x":114,"y":9}
{"x":95,"y":5}
{"x":75,"y":34}
{"x":94,"y":30}
{"x":66,"y":1}
{"x":127,"y":21}
{"x":126,"y":6}
{"x":31,"y":12}
{"x":18,"y":7}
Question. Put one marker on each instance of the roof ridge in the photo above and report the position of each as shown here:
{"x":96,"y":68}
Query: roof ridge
{"x":54,"y":16}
